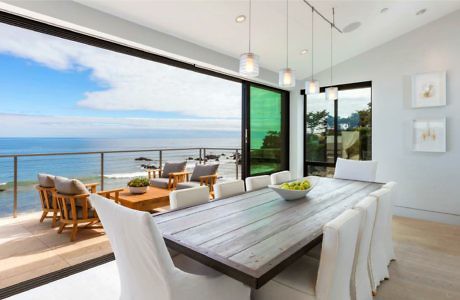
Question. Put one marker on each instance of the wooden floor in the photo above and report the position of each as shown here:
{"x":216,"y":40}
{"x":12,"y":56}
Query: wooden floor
{"x":428,"y":264}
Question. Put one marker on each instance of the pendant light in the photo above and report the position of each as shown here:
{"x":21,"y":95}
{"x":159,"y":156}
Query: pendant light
{"x":286,"y":76}
{"x":249,"y":62}
{"x":312,"y":86}
{"x":332,"y":93}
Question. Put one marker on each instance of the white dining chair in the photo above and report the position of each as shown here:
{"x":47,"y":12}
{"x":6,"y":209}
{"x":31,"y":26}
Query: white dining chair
{"x":378,"y":257}
{"x":145,"y":268}
{"x":389,"y":247}
{"x":328,"y":278}
{"x":228,"y":189}
{"x":188,"y":197}
{"x":280,"y":177}
{"x":360,"y":280}
{"x":362,"y":170}
{"x":257,"y":182}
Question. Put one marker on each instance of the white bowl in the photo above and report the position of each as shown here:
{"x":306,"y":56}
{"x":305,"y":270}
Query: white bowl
{"x":294,"y":194}
{"x":138,"y":190}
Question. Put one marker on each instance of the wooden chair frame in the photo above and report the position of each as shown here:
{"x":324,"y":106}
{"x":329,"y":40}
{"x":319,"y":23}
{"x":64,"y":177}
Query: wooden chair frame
{"x":208,"y":180}
{"x":70,"y":217}
{"x":50,"y":205}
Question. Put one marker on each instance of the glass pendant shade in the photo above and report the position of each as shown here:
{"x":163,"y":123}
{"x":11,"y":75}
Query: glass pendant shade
{"x":312,"y":87}
{"x":286,"y":78}
{"x":332,"y":93}
{"x":249,"y":64}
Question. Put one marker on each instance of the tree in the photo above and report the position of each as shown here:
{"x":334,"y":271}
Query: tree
{"x":365,"y":116}
{"x":315,"y":119}
{"x":272,"y":140}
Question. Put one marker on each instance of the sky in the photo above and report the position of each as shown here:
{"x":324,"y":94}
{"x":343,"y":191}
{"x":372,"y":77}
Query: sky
{"x":51,"y":87}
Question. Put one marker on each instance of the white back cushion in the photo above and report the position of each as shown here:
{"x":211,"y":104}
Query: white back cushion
{"x":227,"y":189}
{"x":257,"y":182}
{"x":143,"y":260}
{"x":188,"y":197}
{"x":337,"y":255}
{"x":280,"y":177}
{"x":361,"y":287}
{"x":363,"y":170}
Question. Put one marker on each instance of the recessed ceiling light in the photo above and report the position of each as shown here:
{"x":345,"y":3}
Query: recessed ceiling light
{"x":351,"y":27}
{"x":303,"y":51}
{"x":240,"y":19}
{"x":421,"y":12}
{"x":384,"y":10}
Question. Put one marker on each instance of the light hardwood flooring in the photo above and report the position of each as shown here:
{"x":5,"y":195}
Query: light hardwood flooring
{"x":427,"y":265}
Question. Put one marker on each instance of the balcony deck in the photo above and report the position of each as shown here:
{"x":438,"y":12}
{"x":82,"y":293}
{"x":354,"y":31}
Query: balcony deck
{"x":427,"y":267}
{"x":29,"y":248}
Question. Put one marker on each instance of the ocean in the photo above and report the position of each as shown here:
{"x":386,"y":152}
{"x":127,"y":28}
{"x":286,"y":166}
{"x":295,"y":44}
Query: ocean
{"x":119,"y":168}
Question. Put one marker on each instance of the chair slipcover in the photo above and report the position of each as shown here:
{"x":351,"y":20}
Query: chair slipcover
{"x":389,"y":247}
{"x":229,"y":188}
{"x":378,"y":258}
{"x":257,"y":182}
{"x":189,"y":197}
{"x":296,"y":282}
{"x":145,"y":268}
{"x":280,"y":177}
{"x":360,"y":279}
{"x":355,"y":169}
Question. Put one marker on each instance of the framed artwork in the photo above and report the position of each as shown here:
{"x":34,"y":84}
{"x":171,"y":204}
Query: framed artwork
{"x":429,"y":135}
{"x":429,"y":89}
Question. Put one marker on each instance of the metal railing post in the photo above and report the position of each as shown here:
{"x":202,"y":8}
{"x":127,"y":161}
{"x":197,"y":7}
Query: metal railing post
{"x":102,"y":171}
{"x":201,"y":157}
{"x":161,"y":161}
{"x":236,"y":162}
{"x":204,"y":155}
{"x":15,"y":205}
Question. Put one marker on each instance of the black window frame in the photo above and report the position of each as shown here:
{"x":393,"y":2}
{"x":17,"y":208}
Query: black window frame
{"x":341,"y":87}
{"x":60,"y":32}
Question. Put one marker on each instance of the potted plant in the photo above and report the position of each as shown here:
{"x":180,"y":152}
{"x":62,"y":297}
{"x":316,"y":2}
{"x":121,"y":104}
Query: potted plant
{"x":138,"y":185}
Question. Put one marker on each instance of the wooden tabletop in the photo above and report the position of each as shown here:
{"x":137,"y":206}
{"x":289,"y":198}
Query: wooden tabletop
{"x":254,"y":236}
{"x":149,"y":201}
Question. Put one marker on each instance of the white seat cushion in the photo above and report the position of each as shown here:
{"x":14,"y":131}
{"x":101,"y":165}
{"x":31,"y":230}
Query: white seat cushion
{"x":296,"y":282}
{"x":230,"y":188}
{"x":188,"y":197}
{"x":257,"y":182}
{"x":355,"y":170}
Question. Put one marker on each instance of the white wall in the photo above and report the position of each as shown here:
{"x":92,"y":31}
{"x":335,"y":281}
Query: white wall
{"x":429,"y":183}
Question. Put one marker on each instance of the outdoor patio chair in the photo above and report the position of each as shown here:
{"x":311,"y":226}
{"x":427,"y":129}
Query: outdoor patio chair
{"x":74,"y":207}
{"x":47,"y":194}
{"x":202,"y":175}
{"x":171,"y":174}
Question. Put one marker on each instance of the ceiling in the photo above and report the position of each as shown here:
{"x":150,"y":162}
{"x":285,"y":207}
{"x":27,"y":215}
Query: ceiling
{"x":211,"y":23}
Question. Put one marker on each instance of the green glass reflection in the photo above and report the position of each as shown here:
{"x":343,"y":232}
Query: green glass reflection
{"x":265,"y":131}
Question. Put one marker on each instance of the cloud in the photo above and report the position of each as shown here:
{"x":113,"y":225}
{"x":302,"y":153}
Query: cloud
{"x":37,"y":125}
{"x":128,"y":83}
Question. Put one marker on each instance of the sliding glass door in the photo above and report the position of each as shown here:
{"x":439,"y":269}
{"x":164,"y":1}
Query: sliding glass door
{"x":266,"y":130}
{"x":340,"y":128}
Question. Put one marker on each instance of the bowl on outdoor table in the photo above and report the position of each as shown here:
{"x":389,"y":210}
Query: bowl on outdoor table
{"x":295,"y":189}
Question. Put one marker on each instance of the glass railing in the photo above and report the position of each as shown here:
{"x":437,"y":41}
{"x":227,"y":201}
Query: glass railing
{"x":111,"y":169}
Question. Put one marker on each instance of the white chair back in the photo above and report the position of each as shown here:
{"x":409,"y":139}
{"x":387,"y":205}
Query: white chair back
{"x":257,"y":182}
{"x":280,"y":177}
{"x":337,"y":255}
{"x":360,"y":280}
{"x":389,"y":247}
{"x":228,"y":189}
{"x":188,"y":197}
{"x":363,"y":170}
{"x":378,"y":258}
{"x":144,"y":264}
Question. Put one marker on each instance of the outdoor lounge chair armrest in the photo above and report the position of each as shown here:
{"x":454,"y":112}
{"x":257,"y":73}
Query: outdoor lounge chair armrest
{"x":177,"y":177}
{"x":172,"y":174}
{"x":107,"y":194}
{"x":92,"y":187}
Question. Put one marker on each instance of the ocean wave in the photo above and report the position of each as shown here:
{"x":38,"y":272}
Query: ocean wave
{"x":125,"y":175}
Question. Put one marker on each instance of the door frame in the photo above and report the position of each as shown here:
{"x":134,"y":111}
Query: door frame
{"x":246,"y":121}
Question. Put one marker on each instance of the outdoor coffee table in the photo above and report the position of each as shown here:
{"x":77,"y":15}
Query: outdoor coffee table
{"x":154,"y":198}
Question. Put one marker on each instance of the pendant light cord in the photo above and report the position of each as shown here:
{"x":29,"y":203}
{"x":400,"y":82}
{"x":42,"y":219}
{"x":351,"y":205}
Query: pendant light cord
{"x":250,"y":24}
{"x":287,"y":33}
{"x":332,"y":27}
{"x":312,"y":44}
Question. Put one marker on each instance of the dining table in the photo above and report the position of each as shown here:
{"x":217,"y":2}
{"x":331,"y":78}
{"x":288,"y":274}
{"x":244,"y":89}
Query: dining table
{"x":254,"y":236}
